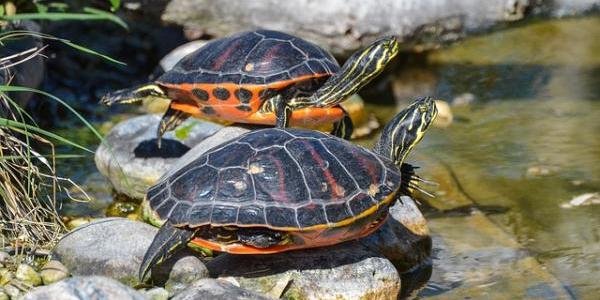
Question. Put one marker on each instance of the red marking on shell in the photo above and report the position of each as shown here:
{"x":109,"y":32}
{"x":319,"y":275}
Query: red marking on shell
{"x":225,"y":55}
{"x":335,"y":191}
{"x":265,"y":63}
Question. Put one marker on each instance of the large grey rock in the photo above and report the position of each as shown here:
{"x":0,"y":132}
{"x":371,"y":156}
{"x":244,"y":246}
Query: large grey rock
{"x":85,"y":288}
{"x":345,"y":271}
{"x":344,"y":26}
{"x":115,"y":247}
{"x":211,"y":289}
{"x":130,"y":158}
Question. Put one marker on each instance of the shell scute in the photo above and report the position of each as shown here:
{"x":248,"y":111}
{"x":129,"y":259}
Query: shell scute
{"x":252,"y":214}
{"x":310,"y":215}
{"x":224,"y":214}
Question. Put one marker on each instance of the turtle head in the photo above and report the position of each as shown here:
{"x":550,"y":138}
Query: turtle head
{"x":406,"y":129}
{"x":358,"y":70}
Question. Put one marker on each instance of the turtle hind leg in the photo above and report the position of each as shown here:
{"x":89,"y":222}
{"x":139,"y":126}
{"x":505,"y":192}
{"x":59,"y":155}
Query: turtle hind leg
{"x":168,"y":239}
{"x":344,"y":127}
{"x":170,"y":120}
{"x":133,"y":95}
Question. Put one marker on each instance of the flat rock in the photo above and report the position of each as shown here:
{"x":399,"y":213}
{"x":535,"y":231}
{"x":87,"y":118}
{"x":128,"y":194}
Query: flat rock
{"x":115,"y":247}
{"x":84,"y":288}
{"x":212,"y":289}
{"x":345,"y":271}
{"x":130,"y":158}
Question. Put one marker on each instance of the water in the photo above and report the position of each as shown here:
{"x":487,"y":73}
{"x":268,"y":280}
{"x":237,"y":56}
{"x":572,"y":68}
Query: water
{"x":529,"y":143}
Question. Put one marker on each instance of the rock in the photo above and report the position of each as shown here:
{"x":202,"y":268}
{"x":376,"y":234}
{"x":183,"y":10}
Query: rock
{"x":3,"y":295}
{"x":4,"y":257}
{"x":182,"y":269}
{"x":444,"y":117}
{"x":12,"y":291}
{"x":344,"y":271}
{"x":404,"y":239}
{"x":344,"y":26}
{"x":53,"y":271}
{"x":156,"y":294}
{"x":114,"y":247}
{"x":130,"y":158}
{"x":28,"y":275}
{"x":5,"y":276}
{"x":464,"y":99}
{"x":76,"y":222}
{"x":211,"y":289}
{"x":83,"y":288}
{"x":111,"y":247}
{"x":582,"y":200}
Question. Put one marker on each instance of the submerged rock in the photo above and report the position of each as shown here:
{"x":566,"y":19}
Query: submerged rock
{"x":84,"y":288}
{"x":345,"y":271}
{"x":130,"y":158}
{"x":115,"y":247}
{"x":211,"y":289}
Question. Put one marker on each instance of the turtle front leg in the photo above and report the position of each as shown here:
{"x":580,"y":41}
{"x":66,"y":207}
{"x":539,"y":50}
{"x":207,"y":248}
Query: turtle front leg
{"x":170,"y":120}
{"x":283,"y":113}
{"x":344,"y":127}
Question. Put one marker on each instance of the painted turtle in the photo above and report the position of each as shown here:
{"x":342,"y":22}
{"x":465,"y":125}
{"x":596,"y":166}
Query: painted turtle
{"x":263,"y":77}
{"x":274,"y":190}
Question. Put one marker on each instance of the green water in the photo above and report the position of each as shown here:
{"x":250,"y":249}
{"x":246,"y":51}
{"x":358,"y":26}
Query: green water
{"x":531,"y":140}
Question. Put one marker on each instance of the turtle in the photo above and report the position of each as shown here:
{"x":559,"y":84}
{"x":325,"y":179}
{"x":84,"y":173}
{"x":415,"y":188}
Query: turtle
{"x":262,"y":77}
{"x":279,"y":189}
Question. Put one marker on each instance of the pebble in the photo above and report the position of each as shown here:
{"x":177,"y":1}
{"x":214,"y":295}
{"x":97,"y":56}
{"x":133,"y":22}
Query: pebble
{"x":53,"y":271}
{"x":85,"y":288}
{"x":464,"y":99}
{"x":156,"y":293}
{"x":12,"y":291}
{"x":444,"y":117}
{"x":5,"y":276}
{"x":3,"y":295}
{"x":583,"y":200}
{"x":28,"y":275}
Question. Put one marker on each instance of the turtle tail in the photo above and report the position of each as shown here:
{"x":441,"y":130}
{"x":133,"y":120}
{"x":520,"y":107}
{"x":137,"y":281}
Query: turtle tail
{"x":168,"y":240}
{"x":133,"y":95}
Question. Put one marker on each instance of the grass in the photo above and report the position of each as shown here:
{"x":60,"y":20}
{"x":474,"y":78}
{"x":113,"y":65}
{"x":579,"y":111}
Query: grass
{"x":29,"y":183}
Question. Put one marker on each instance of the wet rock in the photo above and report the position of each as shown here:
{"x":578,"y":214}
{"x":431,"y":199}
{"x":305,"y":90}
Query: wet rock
{"x":404,"y":239}
{"x":53,"y":271}
{"x":130,"y":158}
{"x":114,"y":247}
{"x":83,"y":288}
{"x":28,"y":275}
{"x":345,"y":271}
{"x":444,"y":117}
{"x":211,"y":289}
{"x":155,"y":294}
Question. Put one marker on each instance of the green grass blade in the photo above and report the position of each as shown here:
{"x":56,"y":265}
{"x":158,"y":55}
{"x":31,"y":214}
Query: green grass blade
{"x":90,"y":51}
{"x":88,"y":15}
{"x":18,"y":126}
{"x":7,"y":88}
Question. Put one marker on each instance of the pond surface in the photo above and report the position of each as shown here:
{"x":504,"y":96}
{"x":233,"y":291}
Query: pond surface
{"x":527,"y":144}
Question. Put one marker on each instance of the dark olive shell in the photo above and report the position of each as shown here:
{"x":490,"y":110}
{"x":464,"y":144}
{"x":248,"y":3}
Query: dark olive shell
{"x":276,"y":178}
{"x":254,"y":57}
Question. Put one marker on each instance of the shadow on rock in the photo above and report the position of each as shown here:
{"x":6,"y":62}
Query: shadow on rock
{"x":169,"y":149}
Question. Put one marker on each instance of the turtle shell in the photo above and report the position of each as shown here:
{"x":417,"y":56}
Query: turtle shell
{"x":280,"y":179}
{"x":254,"y":57}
